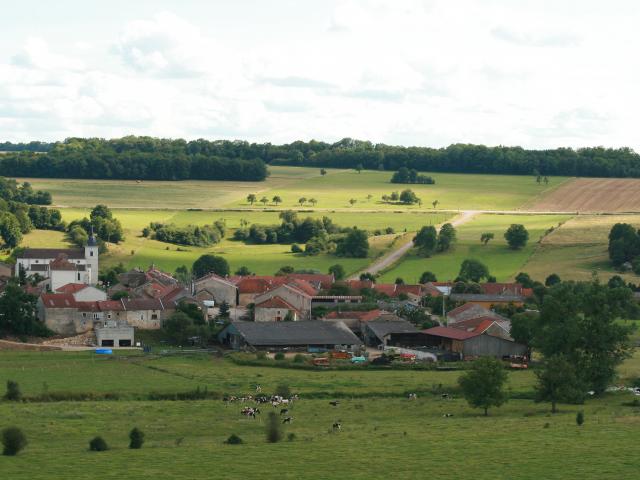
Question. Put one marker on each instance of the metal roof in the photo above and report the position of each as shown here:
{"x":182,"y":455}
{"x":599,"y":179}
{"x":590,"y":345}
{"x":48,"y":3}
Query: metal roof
{"x":382,"y":328}
{"x":313,"y":332}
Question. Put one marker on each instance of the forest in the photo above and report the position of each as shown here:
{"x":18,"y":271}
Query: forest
{"x":176,"y":159}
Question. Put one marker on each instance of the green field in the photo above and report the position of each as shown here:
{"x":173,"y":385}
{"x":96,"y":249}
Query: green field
{"x":384,"y":434}
{"x":503,"y":262}
{"x":578,"y":249}
{"x":453,"y":191}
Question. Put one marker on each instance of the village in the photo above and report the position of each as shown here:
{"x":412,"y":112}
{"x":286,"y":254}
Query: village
{"x":293,"y":312}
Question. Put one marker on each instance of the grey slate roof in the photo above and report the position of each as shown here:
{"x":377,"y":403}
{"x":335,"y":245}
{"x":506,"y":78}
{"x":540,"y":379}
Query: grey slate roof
{"x":313,"y":332}
{"x":382,"y":328}
{"x":480,"y":297}
{"x":52,"y":253}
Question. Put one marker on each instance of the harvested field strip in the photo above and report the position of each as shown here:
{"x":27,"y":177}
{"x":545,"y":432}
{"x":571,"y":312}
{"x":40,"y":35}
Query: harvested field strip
{"x":593,"y":195}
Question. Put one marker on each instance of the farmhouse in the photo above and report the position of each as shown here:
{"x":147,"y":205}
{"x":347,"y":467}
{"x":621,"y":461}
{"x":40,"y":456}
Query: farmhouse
{"x":61,"y":266}
{"x":296,"y":296}
{"x":475,"y":343}
{"x":288,"y":335}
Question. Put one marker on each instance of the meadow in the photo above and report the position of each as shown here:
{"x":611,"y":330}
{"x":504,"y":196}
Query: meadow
{"x":333,"y":191}
{"x":383,"y":433}
{"x":503,"y":262}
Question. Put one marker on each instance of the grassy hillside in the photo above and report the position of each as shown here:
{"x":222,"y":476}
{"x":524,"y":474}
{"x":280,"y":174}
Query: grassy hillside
{"x":503,"y":262}
{"x":392,"y":435}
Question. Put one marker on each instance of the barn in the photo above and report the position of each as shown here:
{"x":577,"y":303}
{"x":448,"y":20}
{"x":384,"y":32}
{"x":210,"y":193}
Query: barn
{"x":288,"y":335}
{"x":472,"y":344}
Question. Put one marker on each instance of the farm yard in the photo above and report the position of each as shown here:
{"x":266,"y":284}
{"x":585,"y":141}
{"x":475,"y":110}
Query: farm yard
{"x":393,"y":436}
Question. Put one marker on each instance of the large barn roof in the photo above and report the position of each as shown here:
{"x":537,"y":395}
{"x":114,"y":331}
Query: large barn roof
{"x":315,"y":332}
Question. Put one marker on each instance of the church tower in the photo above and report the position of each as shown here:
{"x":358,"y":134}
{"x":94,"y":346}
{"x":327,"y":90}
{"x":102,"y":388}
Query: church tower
{"x":91,"y":256}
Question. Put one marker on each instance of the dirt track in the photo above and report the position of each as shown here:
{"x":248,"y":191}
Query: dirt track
{"x":593,"y":195}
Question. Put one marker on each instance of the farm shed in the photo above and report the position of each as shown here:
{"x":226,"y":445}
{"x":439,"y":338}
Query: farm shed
{"x":114,"y":333}
{"x":377,"y":332}
{"x":472,"y":344}
{"x":290,"y":335}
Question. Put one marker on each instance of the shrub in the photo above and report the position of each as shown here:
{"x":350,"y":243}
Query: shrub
{"x":234,"y":440}
{"x":299,"y":358}
{"x":279,"y":356}
{"x":136,"y":438}
{"x":291,"y":437}
{"x":13,"y":440}
{"x":274,"y":430}
{"x":261,"y":355}
{"x":295,"y":248}
{"x":13,"y":391}
{"x":580,"y":418}
{"x":283,"y":390}
{"x":97,"y":444}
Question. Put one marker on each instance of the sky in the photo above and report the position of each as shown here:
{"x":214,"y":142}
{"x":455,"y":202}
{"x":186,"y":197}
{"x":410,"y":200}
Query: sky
{"x":539,"y":74}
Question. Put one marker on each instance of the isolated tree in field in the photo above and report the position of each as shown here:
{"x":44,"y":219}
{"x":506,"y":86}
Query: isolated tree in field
{"x":408,"y":197}
{"x":353,"y":201}
{"x":435,"y":203}
{"x":473,"y":270}
{"x":323,"y":172}
{"x":337,"y":271}
{"x":243,"y":271}
{"x":355,"y":244}
{"x":538,"y":179}
{"x":13,"y":393}
{"x":274,"y":429}
{"x":302,"y":200}
{"x":313,"y":201}
{"x":359,"y":168}
{"x":485,"y":237}
{"x":394,"y":197}
{"x":427,"y":277}
{"x":419,"y":202}
{"x":385,"y":198}
{"x":264,"y":201}
{"x":516,"y":236}
{"x":251,"y":198}
{"x":446,"y":237}
{"x":558,"y":382}
{"x":483,"y":385}
{"x":13,"y":441}
{"x":546,"y":180}
{"x":208,"y":263}
{"x":426,"y":240}
{"x":136,"y":438}
{"x":276,"y":199}
{"x":98,"y":444}
{"x":552,"y":280}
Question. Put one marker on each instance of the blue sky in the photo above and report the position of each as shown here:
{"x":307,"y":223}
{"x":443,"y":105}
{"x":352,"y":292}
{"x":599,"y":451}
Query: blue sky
{"x":537,"y":74}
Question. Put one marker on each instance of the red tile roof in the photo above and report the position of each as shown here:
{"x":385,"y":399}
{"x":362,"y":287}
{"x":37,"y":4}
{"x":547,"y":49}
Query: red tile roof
{"x":58,"y":300}
{"x":324,"y":281}
{"x":413,"y":289}
{"x":61,"y":263}
{"x":303,"y":286}
{"x":452,"y":333}
{"x":473,"y":324}
{"x":258,"y":285}
{"x":71,"y":288}
{"x":276,"y":302}
{"x":386,"y":288}
{"x":359,"y":284}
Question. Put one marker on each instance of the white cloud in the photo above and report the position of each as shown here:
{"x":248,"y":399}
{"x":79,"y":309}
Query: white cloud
{"x":411,"y":72}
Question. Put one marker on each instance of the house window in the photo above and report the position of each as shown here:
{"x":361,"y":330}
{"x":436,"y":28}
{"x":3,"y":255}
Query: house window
{"x":37,"y":261}
{"x":108,"y":315}
{"x":91,"y":253}
{"x":78,"y":276}
{"x":141,"y":317}
{"x":154,"y":316}
{"x":95,"y":316}
{"x":84,"y":315}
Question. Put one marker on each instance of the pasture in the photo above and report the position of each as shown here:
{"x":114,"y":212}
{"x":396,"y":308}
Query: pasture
{"x":578,"y":249}
{"x":333,"y":191}
{"x":383,"y":433}
{"x":503,"y":262}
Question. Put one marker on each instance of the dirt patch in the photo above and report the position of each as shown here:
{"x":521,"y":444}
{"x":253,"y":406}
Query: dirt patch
{"x":598,"y":195}
{"x":8,"y":345}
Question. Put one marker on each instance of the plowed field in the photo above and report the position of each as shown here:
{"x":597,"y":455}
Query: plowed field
{"x":593,"y":195}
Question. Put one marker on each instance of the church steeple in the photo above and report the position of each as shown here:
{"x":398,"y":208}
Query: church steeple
{"x":92,"y":242}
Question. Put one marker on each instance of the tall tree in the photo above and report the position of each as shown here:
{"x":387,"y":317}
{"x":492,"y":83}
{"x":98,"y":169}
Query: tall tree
{"x":483,"y":384}
{"x":558,"y":382}
{"x":426,"y":239}
{"x":472,"y":270}
{"x":516,"y":236}
{"x":208,"y":263}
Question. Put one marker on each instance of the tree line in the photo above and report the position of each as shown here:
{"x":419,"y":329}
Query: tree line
{"x":165,"y":159}
{"x":135,"y":158}
{"x":199,"y":236}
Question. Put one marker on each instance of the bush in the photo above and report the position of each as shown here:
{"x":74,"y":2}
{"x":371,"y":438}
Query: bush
{"x":295,"y":248}
{"x":580,"y":418}
{"x":234,"y":440}
{"x":136,"y":438}
{"x":283,"y":390}
{"x":299,"y":358}
{"x":279,"y":356}
{"x":291,"y":437}
{"x":13,"y":440}
{"x":13,"y":391}
{"x":261,"y":355}
{"x":97,"y":444}
{"x":274,"y":430}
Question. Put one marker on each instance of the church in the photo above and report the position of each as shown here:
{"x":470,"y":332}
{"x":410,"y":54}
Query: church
{"x":61,"y":266}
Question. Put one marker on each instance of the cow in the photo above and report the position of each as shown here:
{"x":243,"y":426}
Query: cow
{"x":334,"y":403}
{"x":413,"y":396}
{"x":447,"y":415}
{"x":337,"y":426}
{"x":284,"y":411}
{"x":287,"y":420}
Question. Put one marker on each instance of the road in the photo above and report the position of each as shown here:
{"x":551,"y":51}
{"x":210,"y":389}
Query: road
{"x":395,"y":255}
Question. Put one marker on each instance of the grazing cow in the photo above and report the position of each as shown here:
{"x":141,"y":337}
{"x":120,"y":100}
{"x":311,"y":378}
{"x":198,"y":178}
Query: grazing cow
{"x":258,"y":389}
{"x":413,"y":396}
{"x":447,"y":415}
{"x":337,"y":426}
{"x":284,"y":411}
{"x":334,"y":403}
{"x":287,"y":420}
{"x":445,"y":396}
